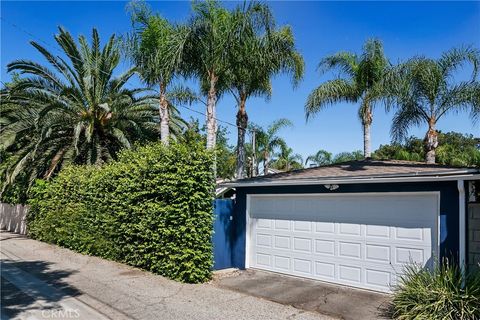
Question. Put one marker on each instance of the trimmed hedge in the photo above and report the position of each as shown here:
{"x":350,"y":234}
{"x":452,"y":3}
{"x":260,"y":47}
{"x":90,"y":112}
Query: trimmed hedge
{"x":150,"y":209}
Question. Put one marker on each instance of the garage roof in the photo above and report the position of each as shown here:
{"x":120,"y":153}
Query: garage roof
{"x":361,"y":171}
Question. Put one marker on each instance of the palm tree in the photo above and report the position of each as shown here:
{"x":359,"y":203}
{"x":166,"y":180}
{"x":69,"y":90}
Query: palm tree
{"x":259,"y":53}
{"x":210,"y":40}
{"x":321,"y":158}
{"x":72,"y":112}
{"x":268,"y":141}
{"x":424,"y":90}
{"x":156,"y":49}
{"x":287,"y":160}
{"x":361,"y":83}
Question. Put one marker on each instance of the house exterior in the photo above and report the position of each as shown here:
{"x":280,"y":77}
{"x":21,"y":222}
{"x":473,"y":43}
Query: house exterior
{"x":355,"y":223}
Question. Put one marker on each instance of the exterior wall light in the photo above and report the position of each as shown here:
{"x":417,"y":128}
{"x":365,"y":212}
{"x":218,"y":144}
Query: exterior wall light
{"x":331,"y":187}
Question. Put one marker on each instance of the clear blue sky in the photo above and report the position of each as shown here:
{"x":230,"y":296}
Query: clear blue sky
{"x":321,"y":28}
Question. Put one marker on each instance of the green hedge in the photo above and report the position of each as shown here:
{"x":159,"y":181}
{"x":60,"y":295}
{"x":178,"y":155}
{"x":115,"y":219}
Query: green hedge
{"x":151,"y":209}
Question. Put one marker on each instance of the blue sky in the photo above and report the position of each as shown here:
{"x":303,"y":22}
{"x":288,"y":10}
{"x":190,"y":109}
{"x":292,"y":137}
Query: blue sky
{"x":321,"y":28}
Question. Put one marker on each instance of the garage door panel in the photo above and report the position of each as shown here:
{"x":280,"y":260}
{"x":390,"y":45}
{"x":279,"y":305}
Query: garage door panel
{"x":349,"y":250}
{"x":350,"y":229}
{"x":350,"y":273}
{"x":302,"y":266}
{"x":411,"y":255}
{"x":325,"y":227}
{"x":282,"y":263}
{"x":378,"y":278}
{"x":377,"y":253}
{"x":282,"y":225}
{"x":377,"y":231}
{"x":302,"y":244}
{"x":264,"y":240}
{"x":282,"y":242}
{"x":361,"y":241}
{"x":325,"y":247}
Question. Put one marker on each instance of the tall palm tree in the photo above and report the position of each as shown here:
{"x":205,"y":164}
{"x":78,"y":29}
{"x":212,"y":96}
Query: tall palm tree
{"x":260,"y":52}
{"x":210,"y":40}
{"x":73,"y":111}
{"x":287,"y":160}
{"x":424,"y":90}
{"x":268,"y":141}
{"x":320,"y":158}
{"x":156,"y":49}
{"x":361,"y":83}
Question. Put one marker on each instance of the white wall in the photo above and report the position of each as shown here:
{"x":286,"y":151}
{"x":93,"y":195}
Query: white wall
{"x":13,"y":218}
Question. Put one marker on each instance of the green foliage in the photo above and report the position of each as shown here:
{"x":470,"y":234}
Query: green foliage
{"x":268,"y":142}
{"x":320,"y":158}
{"x":286,"y":160}
{"x":151,"y":209}
{"x":424,"y":90}
{"x":444,"y":293}
{"x":324,"y":158}
{"x":70,"y":111}
{"x":361,"y":80}
{"x":454,"y":149}
{"x":261,"y":51}
{"x":348,"y":156}
{"x":225,"y":153}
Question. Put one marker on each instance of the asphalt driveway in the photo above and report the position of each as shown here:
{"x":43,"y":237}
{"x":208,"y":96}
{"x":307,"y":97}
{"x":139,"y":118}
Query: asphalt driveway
{"x":309,"y":295}
{"x":41,"y":281}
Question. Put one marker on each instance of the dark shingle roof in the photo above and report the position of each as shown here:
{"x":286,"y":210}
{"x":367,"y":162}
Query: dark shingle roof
{"x":362,"y":169}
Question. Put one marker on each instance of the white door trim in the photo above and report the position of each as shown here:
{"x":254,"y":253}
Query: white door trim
{"x":462,"y":248}
{"x":249,"y":220}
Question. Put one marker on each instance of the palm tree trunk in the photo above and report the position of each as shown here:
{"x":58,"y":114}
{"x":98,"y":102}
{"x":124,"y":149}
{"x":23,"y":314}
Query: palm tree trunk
{"x":266,"y":163}
{"x":431,"y":142}
{"x":367,"y":125}
{"x":164,"y":117}
{"x":211,"y":110}
{"x":242,"y":122}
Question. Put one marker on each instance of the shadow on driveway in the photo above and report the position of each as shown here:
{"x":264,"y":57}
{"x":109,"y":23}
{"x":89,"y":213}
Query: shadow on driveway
{"x":332,"y":300}
{"x":21,"y":291}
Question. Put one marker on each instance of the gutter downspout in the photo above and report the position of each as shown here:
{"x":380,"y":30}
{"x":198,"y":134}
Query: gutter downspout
{"x":461,"y":222}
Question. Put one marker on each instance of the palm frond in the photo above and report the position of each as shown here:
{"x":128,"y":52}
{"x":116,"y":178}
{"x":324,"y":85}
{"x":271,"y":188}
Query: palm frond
{"x":328,"y":93}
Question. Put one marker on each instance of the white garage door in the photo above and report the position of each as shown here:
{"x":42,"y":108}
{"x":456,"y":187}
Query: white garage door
{"x":360,"y":240}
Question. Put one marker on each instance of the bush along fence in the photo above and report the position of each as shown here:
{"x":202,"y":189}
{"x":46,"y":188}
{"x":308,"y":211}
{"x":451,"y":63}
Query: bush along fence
{"x":152,"y":208}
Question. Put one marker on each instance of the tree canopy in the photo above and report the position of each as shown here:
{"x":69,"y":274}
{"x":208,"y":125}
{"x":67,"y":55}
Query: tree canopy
{"x":73,"y":111}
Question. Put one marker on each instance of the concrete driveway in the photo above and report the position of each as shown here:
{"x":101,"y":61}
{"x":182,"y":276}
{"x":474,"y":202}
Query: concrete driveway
{"x":41,"y":281}
{"x":336,"y":301}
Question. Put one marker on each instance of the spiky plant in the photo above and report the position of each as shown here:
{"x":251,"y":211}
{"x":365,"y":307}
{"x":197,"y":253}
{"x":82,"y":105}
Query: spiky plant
{"x":446,"y":292}
{"x":73,"y":111}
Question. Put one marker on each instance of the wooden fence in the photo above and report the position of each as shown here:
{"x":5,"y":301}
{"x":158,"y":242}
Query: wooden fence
{"x":13,"y":218}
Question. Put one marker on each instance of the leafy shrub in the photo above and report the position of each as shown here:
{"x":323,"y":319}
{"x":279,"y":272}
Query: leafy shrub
{"x":444,"y":293}
{"x":151,"y":209}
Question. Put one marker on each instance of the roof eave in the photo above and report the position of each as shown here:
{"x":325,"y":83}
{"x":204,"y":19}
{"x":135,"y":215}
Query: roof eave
{"x":460,"y":175}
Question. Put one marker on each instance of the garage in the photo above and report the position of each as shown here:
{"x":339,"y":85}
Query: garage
{"x":360,"y":240}
{"x":356,"y":223}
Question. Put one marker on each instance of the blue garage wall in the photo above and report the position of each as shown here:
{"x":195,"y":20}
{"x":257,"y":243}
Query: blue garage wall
{"x":448,"y":210}
{"x":222,"y":234}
